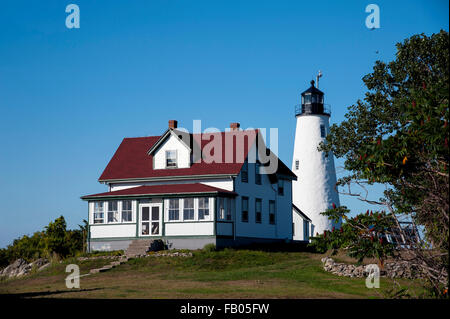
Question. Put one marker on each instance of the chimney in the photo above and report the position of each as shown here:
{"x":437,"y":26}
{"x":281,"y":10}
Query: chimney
{"x":173,"y":124}
{"x":234,"y":126}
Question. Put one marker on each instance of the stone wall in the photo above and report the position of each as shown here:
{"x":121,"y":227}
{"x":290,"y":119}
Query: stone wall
{"x":391,"y":270}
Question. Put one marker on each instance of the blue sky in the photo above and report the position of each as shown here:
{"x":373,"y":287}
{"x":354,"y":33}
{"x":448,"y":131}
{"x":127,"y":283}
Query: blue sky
{"x":69,"y":96}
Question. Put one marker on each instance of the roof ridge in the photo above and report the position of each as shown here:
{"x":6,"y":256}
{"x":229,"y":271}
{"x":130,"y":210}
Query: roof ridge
{"x":158,"y":136}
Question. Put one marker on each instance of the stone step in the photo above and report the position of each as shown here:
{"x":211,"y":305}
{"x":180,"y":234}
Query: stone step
{"x":136,"y":242}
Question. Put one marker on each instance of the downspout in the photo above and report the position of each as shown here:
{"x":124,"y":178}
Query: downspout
{"x":234,"y":211}
{"x":276,"y":210}
{"x":88,"y":235}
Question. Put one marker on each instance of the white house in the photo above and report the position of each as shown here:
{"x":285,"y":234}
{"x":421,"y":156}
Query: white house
{"x":191,"y":190}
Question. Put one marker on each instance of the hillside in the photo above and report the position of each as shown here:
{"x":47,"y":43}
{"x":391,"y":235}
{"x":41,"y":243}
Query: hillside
{"x":217,"y":274}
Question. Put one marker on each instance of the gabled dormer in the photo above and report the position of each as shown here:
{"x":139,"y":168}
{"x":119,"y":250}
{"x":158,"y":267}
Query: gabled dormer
{"x":172,"y":150}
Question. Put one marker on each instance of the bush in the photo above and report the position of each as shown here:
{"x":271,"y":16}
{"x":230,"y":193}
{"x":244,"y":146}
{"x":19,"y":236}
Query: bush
{"x":157,"y":245}
{"x":54,"y":242}
{"x":209,"y":248}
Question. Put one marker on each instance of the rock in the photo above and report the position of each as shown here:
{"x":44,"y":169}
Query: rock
{"x":17,"y":268}
{"x":392,"y":270}
{"x":43,"y":266}
{"x":21,"y":268}
{"x":38,"y":263}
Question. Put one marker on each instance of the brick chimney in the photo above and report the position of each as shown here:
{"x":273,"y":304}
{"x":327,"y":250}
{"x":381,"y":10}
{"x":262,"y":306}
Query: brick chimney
{"x":235,"y":126}
{"x":173,"y":124}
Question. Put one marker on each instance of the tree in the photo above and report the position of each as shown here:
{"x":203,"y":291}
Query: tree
{"x":363,"y":236}
{"x":398,"y":136}
{"x":55,"y":237}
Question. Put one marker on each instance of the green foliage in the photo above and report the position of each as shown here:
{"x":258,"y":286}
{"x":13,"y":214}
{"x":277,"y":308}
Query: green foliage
{"x":26,"y":247}
{"x":363,"y":236}
{"x":55,"y":237}
{"x":209,"y":247}
{"x":398,"y":135}
{"x":54,"y":242}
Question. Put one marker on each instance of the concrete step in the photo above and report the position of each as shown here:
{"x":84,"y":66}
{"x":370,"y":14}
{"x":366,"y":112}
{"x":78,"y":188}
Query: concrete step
{"x":113,"y":264}
{"x":138,"y":247}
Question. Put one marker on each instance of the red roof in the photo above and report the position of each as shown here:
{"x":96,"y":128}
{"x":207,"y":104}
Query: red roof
{"x":166,"y":189}
{"x":132,"y":161}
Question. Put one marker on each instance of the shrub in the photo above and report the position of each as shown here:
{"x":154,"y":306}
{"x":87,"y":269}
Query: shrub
{"x":209,"y":247}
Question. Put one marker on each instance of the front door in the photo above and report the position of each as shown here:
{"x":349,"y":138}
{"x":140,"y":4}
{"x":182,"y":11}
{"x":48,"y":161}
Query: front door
{"x":150,"y":220}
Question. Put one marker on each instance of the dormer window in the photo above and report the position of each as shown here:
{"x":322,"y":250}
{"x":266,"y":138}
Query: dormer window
{"x":171,"y":159}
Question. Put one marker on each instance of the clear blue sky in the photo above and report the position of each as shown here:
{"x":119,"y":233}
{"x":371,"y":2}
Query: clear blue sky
{"x":69,"y":96}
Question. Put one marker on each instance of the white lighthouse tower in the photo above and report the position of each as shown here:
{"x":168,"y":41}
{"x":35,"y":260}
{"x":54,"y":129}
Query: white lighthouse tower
{"x":314,"y":190}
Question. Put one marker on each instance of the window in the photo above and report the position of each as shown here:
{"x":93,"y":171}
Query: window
{"x":203,"y":207}
{"x":305,"y":230}
{"x":155,"y":220}
{"x":174,"y":209}
{"x":281,"y":186}
{"x":188,"y":209}
{"x":113,"y":212}
{"x":257,"y":174}
{"x":244,"y":173}
{"x":126,"y":211}
{"x":171,"y":159}
{"x":245,"y":209}
{"x":221,"y":208}
{"x":145,"y":221}
{"x":228,"y":208}
{"x":272,"y":212}
{"x":98,"y":213}
{"x":307,"y":98}
{"x":322,"y":130}
{"x":258,"y":210}
{"x":297,"y":164}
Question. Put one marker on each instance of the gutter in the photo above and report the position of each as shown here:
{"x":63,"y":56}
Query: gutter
{"x":164,"y":178}
{"x":154,"y":195}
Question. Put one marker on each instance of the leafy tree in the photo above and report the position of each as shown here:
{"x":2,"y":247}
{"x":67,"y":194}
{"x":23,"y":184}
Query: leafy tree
{"x":363,"y":236}
{"x":55,"y":237}
{"x":398,"y":136}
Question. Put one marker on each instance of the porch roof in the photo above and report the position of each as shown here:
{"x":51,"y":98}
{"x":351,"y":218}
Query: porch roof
{"x":159,"y":190}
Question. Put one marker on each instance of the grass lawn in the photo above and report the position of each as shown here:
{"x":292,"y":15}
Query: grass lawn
{"x":221,"y":274}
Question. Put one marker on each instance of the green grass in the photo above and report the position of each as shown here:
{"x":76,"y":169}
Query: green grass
{"x":208,"y":274}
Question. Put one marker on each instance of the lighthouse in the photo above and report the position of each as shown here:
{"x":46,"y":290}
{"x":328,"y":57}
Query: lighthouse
{"x":314,"y":191}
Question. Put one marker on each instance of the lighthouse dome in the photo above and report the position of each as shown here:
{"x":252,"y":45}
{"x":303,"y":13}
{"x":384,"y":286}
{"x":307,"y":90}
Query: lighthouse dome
{"x":312,"y":102}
